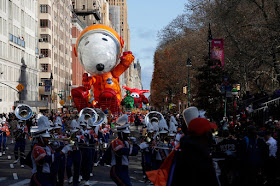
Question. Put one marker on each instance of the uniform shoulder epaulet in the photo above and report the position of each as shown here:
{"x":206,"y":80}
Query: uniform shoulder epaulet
{"x":117,"y":144}
{"x":38,"y":153}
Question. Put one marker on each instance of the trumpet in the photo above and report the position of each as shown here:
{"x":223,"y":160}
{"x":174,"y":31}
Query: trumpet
{"x":62,"y":139}
{"x":54,"y":141}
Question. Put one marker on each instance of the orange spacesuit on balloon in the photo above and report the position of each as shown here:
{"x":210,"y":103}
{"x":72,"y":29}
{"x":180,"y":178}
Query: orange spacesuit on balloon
{"x":99,"y":48}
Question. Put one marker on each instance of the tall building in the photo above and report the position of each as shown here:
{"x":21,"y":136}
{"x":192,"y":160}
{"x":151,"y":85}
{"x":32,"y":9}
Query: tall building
{"x":134,"y":71}
{"x":77,"y":70}
{"x":105,"y":17}
{"x":88,"y":11}
{"x":18,"y":49}
{"x":132,"y":77}
{"x":124,"y":28}
{"x":115,"y":17}
{"x":55,"y":51}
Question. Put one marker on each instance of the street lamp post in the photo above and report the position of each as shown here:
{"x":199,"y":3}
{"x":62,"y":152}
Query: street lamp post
{"x":189,"y":64}
{"x":234,"y":94}
{"x":51,"y":78}
{"x":210,"y":38}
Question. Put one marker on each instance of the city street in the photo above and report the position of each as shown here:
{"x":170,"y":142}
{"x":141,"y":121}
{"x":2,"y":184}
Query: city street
{"x":13,"y":174}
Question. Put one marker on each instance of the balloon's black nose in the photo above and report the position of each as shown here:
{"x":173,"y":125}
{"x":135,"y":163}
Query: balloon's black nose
{"x":100,"y":67}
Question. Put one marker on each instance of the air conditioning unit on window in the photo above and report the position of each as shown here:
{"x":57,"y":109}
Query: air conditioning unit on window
{"x":41,"y":56}
{"x":41,"y":40}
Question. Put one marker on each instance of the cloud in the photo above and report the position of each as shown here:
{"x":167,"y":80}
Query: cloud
{"x":148,"y":50}
{"x":145,"y":53}
{"x":146,"y":34}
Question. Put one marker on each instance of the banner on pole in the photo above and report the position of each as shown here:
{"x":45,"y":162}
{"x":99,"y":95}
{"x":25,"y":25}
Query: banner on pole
{"x":47,"y":87}
{"x":217,"y":52}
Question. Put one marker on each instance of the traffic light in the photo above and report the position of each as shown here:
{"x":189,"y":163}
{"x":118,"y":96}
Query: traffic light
{"x":60,"y":96}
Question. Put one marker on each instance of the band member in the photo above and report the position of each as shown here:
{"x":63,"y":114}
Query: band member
{"x":146,"y":150}
{"x":58,"y":167}
{"x":120,"y":149}
{"x":86,"y":149}
{"x":20,"y":137}
{"x":160,"y":151}
{"x":95,"y":151}
{"x":106,"y":130}
{"x":1,"y":139}
{"x":74,"y":157}
{"x":43,"y":156}
{"x":178,"y":136}
{"x":172,"y":125}
{"x":4,"y":132}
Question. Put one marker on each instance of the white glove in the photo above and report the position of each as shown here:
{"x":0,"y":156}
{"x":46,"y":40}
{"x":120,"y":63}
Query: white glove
{"x":67,"y":148}
{"x":143,"y":145}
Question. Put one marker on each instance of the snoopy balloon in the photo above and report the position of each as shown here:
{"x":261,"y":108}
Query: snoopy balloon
{"x":99,"y":50}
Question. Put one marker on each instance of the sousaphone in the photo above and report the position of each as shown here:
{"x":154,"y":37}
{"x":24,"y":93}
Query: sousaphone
{"x":23,"y":112}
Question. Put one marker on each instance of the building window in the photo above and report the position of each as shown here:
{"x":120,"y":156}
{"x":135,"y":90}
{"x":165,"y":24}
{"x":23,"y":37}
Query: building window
{"x":44,"y":67}
{"x":44,"y":97}
{"x":46,"y":52}
{"x":45,"y":38}
{"x":84,"y":7}
{"x":44,"y":23}
{"x":11,"y":37}
{"x":45,"y":9}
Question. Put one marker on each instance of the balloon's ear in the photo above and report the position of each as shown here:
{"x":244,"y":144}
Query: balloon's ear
{"x":75,"y":52}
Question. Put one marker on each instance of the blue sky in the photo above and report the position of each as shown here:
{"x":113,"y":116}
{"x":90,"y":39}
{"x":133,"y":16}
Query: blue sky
{"x":146,"y":18}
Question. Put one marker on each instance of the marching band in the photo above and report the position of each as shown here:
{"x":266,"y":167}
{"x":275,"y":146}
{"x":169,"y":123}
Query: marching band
{"x":86,"y":143}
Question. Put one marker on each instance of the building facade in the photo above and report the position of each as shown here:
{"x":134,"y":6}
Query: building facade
{"x":77,"y":70}
{"x":55,"y":52}
{"x":18,"y":52}
{"x":124,"y":28}
{"x":89,"y":11}
{"x":132,"y":77}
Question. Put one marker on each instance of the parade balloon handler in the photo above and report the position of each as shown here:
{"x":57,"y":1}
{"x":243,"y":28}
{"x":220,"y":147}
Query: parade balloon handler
{"x":99,"y":49}
{"x":118,"y":152}
{"x":43,"y":156}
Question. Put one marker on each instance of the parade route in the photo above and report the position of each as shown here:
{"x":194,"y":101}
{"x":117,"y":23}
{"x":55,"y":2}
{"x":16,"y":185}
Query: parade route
{"x":14,"y":175}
